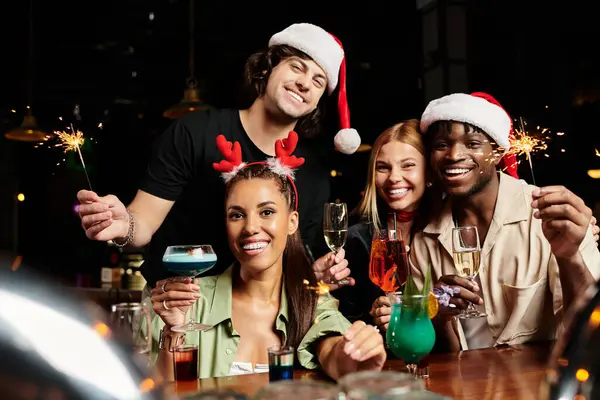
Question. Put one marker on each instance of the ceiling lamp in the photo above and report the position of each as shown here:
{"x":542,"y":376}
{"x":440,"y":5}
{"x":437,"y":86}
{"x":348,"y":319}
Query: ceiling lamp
{"x":29,"y":131}
{"x":191,"y":96}
{"x":190,"y":102}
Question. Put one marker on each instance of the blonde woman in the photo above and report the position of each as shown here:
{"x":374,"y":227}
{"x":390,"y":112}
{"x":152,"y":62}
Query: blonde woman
{"x":397,"y":185}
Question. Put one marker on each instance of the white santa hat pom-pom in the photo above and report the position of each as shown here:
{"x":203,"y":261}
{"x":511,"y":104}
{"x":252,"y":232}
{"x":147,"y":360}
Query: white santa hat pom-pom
{"x":347,"y":140}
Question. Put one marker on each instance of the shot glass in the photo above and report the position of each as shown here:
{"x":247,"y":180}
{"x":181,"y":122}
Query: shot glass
{"x":281,"y":363}
{"x":185,"y":362}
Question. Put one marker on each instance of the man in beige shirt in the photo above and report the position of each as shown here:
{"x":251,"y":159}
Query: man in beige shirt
{"x":537,"y":247}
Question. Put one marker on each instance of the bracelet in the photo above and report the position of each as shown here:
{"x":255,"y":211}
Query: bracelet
{"x":161,"y":341}
{"x":130,"y":231}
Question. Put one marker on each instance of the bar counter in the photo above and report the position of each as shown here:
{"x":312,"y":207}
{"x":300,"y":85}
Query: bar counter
{"x":514,"y":372}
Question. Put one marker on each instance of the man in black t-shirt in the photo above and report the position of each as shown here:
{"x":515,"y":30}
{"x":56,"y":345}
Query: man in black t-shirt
{"x":180,"y":201}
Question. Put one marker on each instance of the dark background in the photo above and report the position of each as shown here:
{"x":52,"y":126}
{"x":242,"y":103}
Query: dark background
{"x":124,"y":69}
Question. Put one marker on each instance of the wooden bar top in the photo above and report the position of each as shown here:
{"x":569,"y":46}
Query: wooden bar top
{"x":514,"y":372}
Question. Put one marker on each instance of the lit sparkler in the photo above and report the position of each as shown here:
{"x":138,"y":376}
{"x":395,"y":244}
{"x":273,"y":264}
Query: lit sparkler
{"x":321,"y":287}
{"x":526,"y":144}
{"x":73,"y":142}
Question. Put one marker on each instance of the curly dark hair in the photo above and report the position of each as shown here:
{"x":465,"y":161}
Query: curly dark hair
{"x":256,"y":74}
{"x":296,"y":265}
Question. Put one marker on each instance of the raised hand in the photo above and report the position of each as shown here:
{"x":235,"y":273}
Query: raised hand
{"x":102,"y":218}
{"x":332,"y":266}
{"x":172,"y":298}
{"x":565,"y":219}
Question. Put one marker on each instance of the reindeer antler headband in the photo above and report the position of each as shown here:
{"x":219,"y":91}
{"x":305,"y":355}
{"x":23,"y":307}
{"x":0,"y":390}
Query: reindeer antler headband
{"x":283,"y":163}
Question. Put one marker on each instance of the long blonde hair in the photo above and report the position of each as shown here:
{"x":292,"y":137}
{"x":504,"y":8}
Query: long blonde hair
{"x":406,"y":132}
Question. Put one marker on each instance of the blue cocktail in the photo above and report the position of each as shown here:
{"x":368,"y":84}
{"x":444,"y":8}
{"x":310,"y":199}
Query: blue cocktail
{"x":190,"y":260}
{"x":191,"y":263}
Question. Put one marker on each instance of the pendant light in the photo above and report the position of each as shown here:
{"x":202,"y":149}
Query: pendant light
{"x":29,"y":131}
{"x":191,"y":96}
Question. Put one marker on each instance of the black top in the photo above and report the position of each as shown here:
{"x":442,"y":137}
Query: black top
{"x":356,"y":301}
{"x":181,"y":170}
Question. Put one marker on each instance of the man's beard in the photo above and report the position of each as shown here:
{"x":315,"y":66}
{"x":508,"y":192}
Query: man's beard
{"x":482,"y":182}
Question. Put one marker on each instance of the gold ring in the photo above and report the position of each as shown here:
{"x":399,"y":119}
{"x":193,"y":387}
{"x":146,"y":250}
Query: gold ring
{"x":165,"y":305}
{"x":164,"y":287}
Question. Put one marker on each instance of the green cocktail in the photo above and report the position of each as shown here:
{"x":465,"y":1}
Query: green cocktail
{"x":410,"y":335}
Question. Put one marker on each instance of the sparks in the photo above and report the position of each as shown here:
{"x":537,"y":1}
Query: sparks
{"x":73,"y":142}
{"x":70,"y":141}
{"x":321,"y":287}
{"x":526,"y":144}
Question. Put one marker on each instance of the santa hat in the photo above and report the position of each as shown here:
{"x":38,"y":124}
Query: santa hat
{"x":327,"y":51}
{"x":478,"y":109}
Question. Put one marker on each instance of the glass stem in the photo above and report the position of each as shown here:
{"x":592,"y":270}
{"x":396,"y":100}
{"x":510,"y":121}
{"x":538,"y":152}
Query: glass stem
{"x":193,"y":311}
{"x":412,"y":369}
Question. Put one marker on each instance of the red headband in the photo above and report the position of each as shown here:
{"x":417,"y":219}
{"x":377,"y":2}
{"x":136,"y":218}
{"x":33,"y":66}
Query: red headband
{"x":283,"y":163}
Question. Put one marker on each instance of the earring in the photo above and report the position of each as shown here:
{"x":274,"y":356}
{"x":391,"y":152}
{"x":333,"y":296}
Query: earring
{"x":429,"y":184}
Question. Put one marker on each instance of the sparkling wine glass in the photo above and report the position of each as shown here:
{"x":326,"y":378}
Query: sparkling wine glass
{"x":467,"y":260}
{"x":335,"y":230}
{"x":190,"y":260}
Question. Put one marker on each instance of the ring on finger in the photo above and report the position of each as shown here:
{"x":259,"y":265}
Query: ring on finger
{"x":164,"y":287}
{"x":165,"y":305}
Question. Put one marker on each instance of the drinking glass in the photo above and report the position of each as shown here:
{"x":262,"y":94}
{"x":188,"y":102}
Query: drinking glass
{"x":281,"y":363}
{"x":388,"y":264}
{"x":185,"y":362}
{"x":190,"y":260}
{"x":133,"y":318}
{"x":410,"y":335}
{"x":376,"y":385}
{"x":335,"y":230}
{"x":467,"y":260}
{"x":301,"y":389}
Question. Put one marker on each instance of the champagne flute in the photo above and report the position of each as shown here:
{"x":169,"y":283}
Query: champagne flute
{"x":335,"y":230}
{"x":190,"y":260}
{"x":467,"y":260}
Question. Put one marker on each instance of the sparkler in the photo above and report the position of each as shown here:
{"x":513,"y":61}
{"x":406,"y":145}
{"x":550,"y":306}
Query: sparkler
{"x":73,"y":142}
{"x":526,"y":144}
{"x":321,"y":287}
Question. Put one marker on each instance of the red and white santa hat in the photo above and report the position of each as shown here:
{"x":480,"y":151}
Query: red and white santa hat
{"x":327,"y":51}
{"x":478,"y":109}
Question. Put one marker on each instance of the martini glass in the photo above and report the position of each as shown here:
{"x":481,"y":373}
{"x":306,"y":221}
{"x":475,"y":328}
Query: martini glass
{"x":190,"y":260}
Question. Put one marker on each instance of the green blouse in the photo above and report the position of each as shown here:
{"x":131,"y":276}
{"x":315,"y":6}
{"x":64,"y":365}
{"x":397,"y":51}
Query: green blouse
{"x":218,"y":346}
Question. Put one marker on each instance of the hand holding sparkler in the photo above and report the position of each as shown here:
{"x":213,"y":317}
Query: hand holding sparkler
{"x":564,"y":226}
{"x":102,"y":218}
